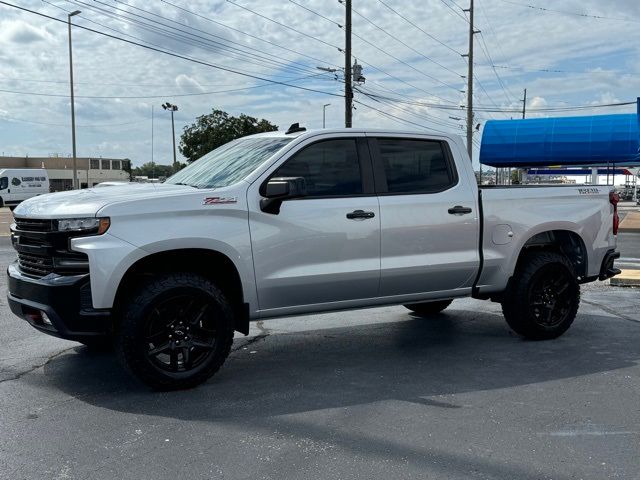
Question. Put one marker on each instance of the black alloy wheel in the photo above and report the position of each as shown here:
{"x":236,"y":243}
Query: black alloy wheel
{"x":550,"y":295}
{"x":176,"y":331}
{"x":544,"y":296}
{"x":181,"y":332}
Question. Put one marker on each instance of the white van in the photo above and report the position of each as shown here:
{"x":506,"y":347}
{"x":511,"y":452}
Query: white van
{"x":18,"y":184}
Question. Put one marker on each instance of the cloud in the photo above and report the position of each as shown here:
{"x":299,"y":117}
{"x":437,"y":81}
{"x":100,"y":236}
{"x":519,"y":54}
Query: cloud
{"x":20,"y":32}
{"x":183,"y":80}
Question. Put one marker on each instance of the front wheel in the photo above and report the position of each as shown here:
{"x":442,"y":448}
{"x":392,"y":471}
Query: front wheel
{"x":176,"y":331}
{"x":428,"y":308}
{"x":544,"y":297}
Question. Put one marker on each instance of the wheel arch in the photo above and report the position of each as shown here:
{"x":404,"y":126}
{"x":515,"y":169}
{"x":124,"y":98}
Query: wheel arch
{"x":212,"y":264}
{"x":566,"y":242}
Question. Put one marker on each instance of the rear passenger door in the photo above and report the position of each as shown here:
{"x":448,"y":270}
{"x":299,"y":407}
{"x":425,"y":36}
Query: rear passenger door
{"x":427,"y":243}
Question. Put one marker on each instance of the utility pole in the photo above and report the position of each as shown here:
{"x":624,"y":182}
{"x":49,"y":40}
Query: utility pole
{"x":524,"y":105}
{"x":348,"y":89}
{"x":472,"y":32}
{"x":73,"y":107}
{"x":172,"y":108}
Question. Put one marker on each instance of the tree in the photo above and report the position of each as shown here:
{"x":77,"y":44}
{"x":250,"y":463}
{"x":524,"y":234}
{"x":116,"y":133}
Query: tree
{"x":217,"y":128}
{"x":153,"y":170}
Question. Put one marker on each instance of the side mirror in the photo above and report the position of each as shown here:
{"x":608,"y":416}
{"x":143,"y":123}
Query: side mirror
{"x":279,"y":189}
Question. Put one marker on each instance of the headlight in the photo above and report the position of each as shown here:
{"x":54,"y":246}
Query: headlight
{"x":99,"y":225}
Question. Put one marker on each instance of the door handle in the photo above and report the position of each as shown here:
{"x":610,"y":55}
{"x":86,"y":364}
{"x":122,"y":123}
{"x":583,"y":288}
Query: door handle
{"x":459,"y":210}
{"x":360,"y":214}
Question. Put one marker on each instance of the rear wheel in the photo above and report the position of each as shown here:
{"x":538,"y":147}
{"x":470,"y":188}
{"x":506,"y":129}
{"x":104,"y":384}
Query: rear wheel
{"x":176,"y":331}
{"x":428,"y":308}
{"x":544,"y":298}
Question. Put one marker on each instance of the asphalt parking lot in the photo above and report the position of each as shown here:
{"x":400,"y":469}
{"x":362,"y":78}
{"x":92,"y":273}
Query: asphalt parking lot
{"x":369,"y":394}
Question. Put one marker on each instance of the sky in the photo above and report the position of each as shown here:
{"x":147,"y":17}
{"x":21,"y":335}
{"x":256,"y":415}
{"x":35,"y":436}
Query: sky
{"x":582,"y":52}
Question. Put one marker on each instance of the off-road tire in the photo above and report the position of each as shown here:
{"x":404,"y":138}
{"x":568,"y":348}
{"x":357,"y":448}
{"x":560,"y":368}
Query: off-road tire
{"x":428,"y":308}
{"x":525,"y":314}
{"x":131,"y":344}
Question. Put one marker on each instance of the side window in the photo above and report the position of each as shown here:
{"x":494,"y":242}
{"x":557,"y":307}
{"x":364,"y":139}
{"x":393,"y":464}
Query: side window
{"x":94,"y":164}
{"x":106,"y":165}
{"x":329,"y":167}
{"x":415,"y":166}
{"x":4,"y":183}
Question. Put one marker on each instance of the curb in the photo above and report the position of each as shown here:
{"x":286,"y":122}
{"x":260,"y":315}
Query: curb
{"x":628,"y":278}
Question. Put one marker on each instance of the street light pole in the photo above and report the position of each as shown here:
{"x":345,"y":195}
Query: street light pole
{"x":324,"y":113}
{"x":73,"y":109}
{"x":172,"y":108}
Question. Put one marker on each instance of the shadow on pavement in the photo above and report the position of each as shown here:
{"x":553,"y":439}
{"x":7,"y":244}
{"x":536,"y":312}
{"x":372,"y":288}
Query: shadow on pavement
{"x":409,"y":361}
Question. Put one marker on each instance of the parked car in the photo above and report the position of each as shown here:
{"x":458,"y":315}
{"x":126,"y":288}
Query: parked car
{"x":19,"y":184}
{"x":297,"y":223}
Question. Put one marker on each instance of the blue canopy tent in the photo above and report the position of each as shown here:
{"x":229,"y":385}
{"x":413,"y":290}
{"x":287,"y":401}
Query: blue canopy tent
{"x":598,"y":140}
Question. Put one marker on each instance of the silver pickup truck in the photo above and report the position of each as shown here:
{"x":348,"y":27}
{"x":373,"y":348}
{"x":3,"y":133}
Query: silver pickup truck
{"x":298,"y":222}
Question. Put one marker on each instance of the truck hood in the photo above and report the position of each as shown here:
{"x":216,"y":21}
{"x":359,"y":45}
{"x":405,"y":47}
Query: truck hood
{"x":87,"y":202}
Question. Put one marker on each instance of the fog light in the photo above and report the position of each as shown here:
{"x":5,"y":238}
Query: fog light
{"x":45,"y":319}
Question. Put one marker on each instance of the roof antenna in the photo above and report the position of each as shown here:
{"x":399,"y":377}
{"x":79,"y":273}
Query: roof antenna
{"x":295,"y":127}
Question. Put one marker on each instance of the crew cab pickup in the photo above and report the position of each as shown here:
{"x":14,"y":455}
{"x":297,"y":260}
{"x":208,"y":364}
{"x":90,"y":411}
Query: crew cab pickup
{"x":297,"y":223}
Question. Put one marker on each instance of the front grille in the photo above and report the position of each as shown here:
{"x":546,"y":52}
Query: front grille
{"x":33,"y":225}
{"x":42,"y":251}
{"x":36,"y":265}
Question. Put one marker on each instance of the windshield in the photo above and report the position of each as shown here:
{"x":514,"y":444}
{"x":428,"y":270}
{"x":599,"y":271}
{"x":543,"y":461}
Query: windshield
{"x":229,"y":163}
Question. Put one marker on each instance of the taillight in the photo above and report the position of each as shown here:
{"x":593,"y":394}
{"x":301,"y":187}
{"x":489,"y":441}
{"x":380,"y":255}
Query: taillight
{"x":614,"y":198}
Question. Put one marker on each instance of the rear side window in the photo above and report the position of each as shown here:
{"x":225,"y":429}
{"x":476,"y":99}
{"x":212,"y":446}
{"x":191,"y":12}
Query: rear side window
{"x":330,"y":168}
{"x":415,"y":166}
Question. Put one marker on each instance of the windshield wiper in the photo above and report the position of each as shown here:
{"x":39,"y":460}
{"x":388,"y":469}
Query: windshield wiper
{"x":185,"y":184}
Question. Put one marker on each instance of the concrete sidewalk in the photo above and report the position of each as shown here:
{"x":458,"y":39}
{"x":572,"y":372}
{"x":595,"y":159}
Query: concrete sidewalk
{"x":631,"y":222}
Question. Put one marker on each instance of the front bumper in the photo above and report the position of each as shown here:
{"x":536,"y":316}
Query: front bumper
{"x":66,"y":301}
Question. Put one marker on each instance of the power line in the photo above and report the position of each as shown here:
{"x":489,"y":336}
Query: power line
{"x":413,"y":50}
{"x":188,"y":37}
{"x":424,"y":116}
{"x":509,"y":110}
{"x":104,"y":125}
{"x":215,"y":22}
{"x":485,"y":51}
{"x":167,"y":52}
{"x":252,"y":48}
{"x":110,"y":84}
{"x":110,"y":15}
{"x":285,"y":26}
{"x":316,"y":13}
{"x":420,"y":28}
{"x":576,"y":14}
{"x":40,"y":94}
{"x":459,"y":14}
{"x":547,"y":70}
{"x":404,"y":63}
{"x":399,"y":119}
{"x":361,"y":59}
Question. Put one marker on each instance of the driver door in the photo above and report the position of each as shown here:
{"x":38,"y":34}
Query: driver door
{"x":315,"y":250}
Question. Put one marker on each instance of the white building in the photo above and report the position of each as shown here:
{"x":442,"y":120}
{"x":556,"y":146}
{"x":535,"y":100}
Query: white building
{"x":91,"y":171}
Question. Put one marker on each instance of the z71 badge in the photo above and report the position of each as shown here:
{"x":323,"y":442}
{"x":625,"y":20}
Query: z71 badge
{"x":219,"y":200}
